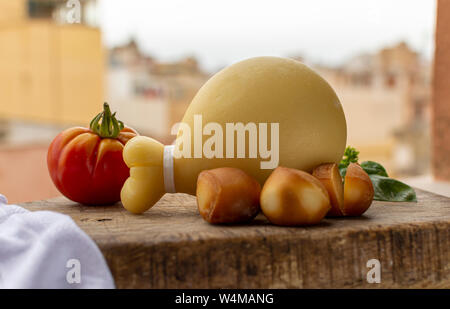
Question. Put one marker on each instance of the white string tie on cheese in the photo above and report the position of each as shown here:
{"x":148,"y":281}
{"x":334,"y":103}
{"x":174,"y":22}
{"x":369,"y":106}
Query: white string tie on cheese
{"x":169,"y":181}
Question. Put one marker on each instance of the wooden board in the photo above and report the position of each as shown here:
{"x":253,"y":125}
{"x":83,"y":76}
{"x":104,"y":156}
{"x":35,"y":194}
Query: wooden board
{"x":170,"y":246}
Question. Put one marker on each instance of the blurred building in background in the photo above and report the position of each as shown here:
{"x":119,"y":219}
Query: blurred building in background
{"x":148,"y":94}
{"x":50,"y":72}
{"x":51,"y":76}
{"x":386,"y":99}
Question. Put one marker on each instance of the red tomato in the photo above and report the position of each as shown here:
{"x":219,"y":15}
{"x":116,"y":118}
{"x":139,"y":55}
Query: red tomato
{"x":88,"y":168}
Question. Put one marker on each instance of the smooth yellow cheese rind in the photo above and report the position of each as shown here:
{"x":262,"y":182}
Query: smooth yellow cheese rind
{"x":312,"y":126}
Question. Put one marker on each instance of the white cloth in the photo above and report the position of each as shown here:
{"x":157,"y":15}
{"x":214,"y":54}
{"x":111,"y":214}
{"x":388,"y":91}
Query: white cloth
{"x":44,"y":249}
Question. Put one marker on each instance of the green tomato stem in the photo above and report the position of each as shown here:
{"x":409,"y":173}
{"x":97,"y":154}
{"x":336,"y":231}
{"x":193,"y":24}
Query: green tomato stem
{"x":109,"y":127}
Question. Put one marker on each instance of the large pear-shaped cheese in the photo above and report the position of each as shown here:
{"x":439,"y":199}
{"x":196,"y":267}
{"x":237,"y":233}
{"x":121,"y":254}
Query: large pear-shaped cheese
{"x":312,"y":127}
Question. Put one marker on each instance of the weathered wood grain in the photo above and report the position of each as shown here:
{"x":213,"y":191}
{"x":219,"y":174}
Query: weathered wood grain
{"x":170,"y":246}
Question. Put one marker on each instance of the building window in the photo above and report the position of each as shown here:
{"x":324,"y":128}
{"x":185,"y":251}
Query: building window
{"x":391,"y":81}
{"x":57,"y":11}
{"x":41,"y":9}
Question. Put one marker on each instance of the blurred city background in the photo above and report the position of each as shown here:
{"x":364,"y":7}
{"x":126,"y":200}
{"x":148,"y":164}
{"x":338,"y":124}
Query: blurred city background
{"x":149,"y":58}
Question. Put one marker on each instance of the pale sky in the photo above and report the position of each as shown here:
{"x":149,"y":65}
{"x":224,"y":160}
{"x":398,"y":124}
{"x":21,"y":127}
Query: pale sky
{"x":222,"y":32}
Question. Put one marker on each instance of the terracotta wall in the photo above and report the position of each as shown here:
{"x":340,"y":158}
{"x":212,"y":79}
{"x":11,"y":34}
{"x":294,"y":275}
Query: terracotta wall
{"x":441,"y":94}
{"x":23,"y":174}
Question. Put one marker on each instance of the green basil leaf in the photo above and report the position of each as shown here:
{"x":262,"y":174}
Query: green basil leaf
{"x":388,"y":189}
{"x":374,"y":168}
{"x":342,"y":170}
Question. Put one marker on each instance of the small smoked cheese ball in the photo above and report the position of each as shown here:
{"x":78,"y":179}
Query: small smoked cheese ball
{"x":227,"y":195}
{"x":294,"y":197}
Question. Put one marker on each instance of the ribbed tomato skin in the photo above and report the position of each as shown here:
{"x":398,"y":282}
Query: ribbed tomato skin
{"x":86,"y":168}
